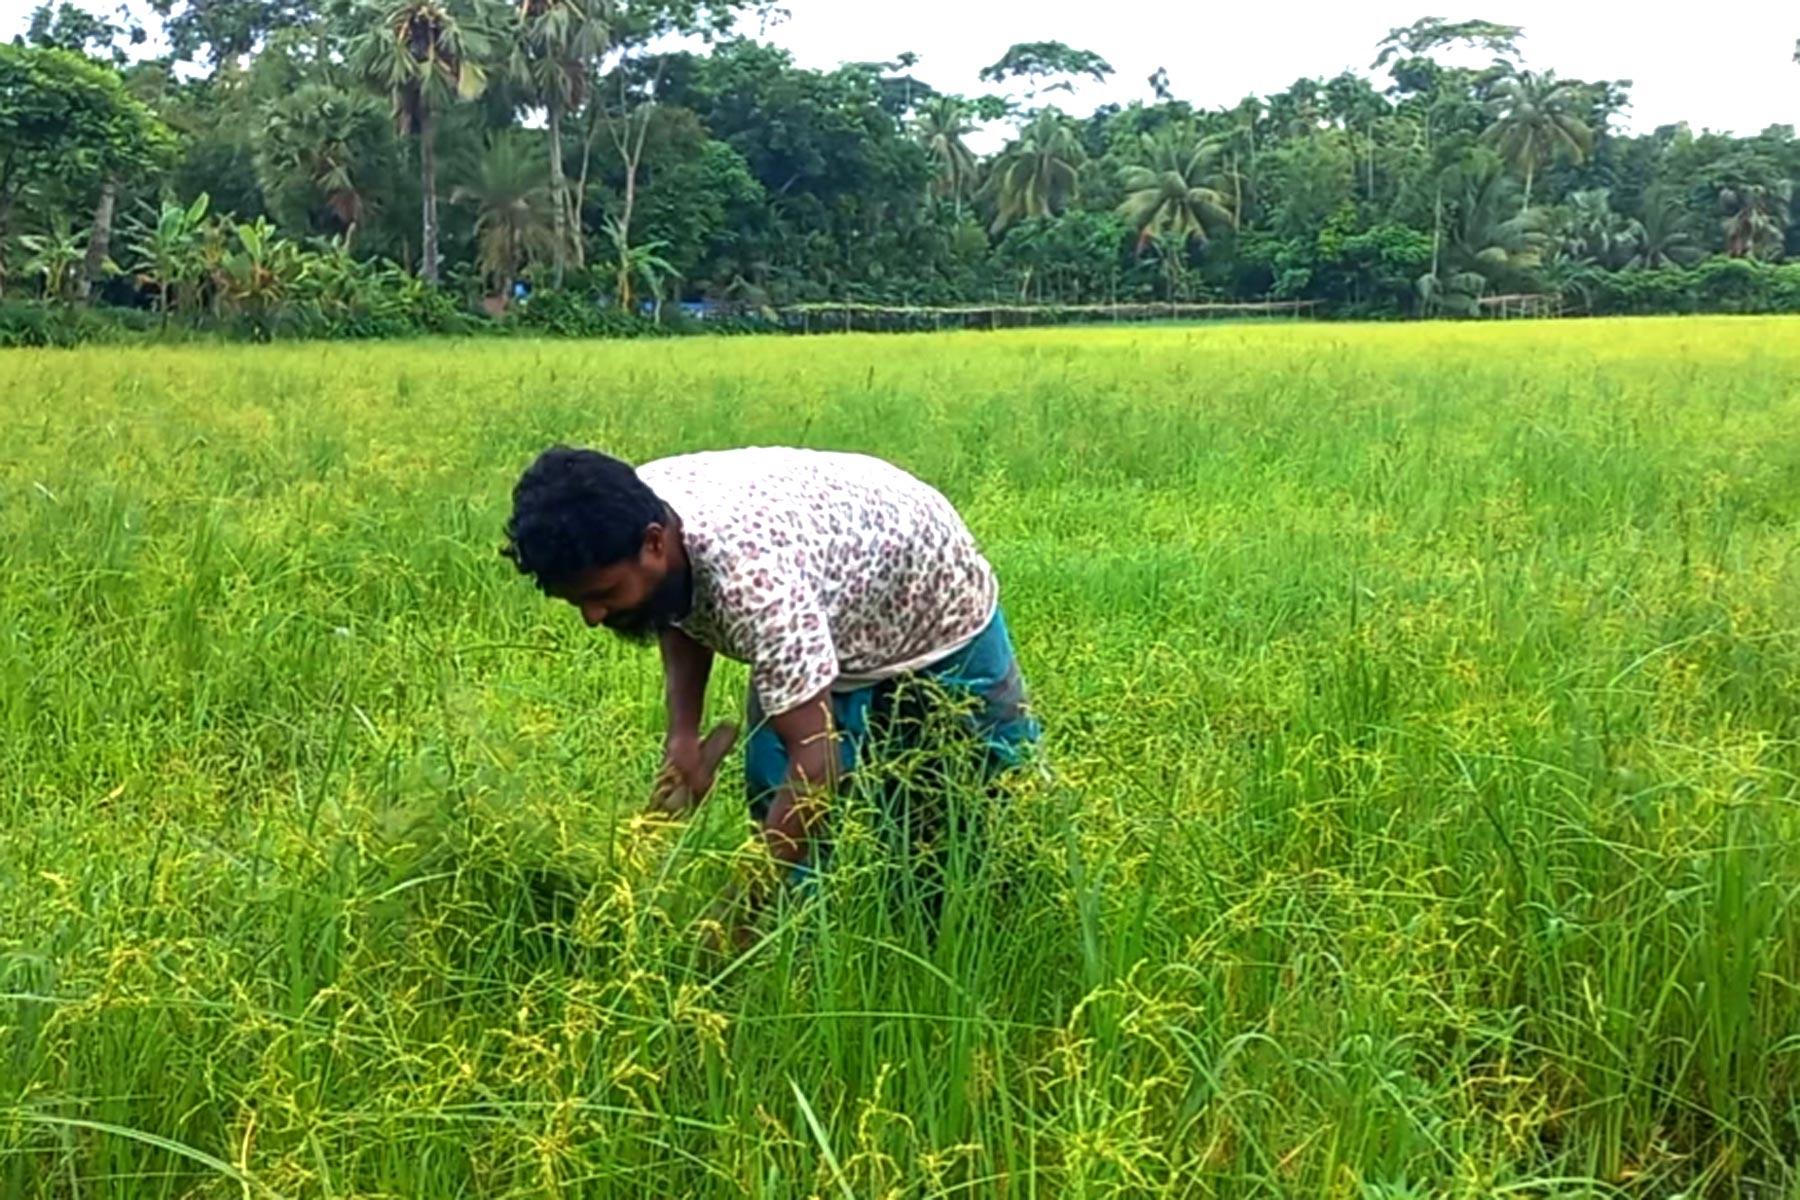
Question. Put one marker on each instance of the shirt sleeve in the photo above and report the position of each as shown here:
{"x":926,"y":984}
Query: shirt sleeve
{"x":793,"y":657}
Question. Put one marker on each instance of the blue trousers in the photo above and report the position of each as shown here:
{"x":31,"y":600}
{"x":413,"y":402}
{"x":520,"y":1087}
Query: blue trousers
{"x":979,"y":684}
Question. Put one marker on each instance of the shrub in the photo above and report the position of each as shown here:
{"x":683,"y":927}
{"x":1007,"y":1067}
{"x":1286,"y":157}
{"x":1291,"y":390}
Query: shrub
{"x":32,"y":323}
{"x":574,"y":313}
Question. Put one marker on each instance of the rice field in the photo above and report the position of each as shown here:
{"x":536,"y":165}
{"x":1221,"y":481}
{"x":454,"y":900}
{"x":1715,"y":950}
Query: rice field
{"x":1422,"y":816}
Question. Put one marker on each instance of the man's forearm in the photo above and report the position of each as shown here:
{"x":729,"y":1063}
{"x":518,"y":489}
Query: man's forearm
{"x":799,"y":807}
{"x":687,"y":666}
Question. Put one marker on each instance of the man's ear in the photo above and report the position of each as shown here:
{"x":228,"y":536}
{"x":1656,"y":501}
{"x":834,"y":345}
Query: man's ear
{"x":656,"y":544}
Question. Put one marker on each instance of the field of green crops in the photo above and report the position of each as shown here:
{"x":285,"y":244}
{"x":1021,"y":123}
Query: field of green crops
{"x":1422,"y":814}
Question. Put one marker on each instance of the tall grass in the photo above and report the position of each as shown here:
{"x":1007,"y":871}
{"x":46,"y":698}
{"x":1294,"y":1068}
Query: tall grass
{"x":1423,"y":705}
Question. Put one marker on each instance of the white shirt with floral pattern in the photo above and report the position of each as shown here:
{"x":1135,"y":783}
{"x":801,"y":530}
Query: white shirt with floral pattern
{"x":822,"y":569}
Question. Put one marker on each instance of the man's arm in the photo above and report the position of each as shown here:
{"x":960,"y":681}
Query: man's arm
{"x":799,"y":807}
{"x":687,"y":665}
{"x":796,"y":814}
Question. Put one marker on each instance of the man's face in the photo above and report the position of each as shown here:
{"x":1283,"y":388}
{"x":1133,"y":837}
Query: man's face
{"x":637,"y":598}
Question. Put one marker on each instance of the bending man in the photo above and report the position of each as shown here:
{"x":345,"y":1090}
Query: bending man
{"x":839,"y":578}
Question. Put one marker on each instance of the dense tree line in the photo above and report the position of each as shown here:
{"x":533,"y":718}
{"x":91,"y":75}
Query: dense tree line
{"x":357,"y":167}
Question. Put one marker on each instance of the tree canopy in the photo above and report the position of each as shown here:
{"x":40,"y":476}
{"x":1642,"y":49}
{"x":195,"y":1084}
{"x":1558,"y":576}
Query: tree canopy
{"x":574,"y":147}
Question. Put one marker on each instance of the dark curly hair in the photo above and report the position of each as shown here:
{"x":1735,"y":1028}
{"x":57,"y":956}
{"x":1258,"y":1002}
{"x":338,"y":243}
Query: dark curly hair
{"x":577,"y":509}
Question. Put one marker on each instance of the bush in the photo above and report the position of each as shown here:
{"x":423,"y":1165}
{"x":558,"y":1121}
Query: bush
{"x":32,"y":323}
{"x":574,"y":313}
{"x":329,"y":295}
{"x":1718,"y":285}
{"x":339,"y":298}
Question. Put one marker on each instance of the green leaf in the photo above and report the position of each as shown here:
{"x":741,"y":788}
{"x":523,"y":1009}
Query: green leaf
{"x":812,"y":1123}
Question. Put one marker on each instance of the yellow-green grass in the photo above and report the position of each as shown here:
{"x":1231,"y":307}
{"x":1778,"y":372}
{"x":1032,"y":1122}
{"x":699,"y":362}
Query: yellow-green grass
{"x":1423,"y":706}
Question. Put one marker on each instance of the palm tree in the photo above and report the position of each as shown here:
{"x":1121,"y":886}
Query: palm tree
{"x":1487,"y":241}
{"x":1240,"y":149}
{"x":1298,"y":112}
{"x":1534,"y":120}
{"x":1175,"y":195}
{"x":316,"y":136}
{"x":424,"y":56}
{"x":558,"y":42}
{"x":1176,"y":189}
{"x":1661,"y":237}
{"x":514,"y":211}
{"x":941,"y":127}
{"x":1755,"y":217}
{"x":1036,"y":175}
{"x":1592,"y":231}
{"x":1354,"y":104}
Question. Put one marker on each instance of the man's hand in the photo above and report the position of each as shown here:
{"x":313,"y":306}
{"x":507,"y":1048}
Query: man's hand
{"x":730,"y":925}
{"x":688,"y":762}
{"x":689,"y":766}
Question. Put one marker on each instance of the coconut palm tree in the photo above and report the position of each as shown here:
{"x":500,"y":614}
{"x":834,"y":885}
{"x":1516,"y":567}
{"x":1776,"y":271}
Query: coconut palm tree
{"x":319,"y":136}
{"x":1176,"y":195}
{"x":425,"y":56}
{"x":1487,"y":240}
{"x":1176,"y":188}
{"x":1755,"y":217}
{"x":940,"y":127}
{"x":514,"y":211}
{"x":1661,"y":237}
{"x":1593,"y":232}
{"x":1037,"y":174}
{"x":557,"y":44}
{"x":1534,"y":119}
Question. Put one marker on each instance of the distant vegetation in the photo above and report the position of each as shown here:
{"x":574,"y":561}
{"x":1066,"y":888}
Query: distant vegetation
{"x":308,"y":162}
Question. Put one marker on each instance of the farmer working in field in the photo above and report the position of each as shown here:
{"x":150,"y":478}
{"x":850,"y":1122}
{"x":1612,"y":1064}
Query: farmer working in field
{"x":840,"y":579}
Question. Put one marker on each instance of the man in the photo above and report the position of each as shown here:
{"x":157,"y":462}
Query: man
{"x":840,"y":579}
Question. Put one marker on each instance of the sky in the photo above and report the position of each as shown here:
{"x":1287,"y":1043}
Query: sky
{"x":1735,"y":74}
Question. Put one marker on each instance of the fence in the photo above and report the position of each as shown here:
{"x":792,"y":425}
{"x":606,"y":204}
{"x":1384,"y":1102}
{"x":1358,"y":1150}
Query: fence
{"x":1521,"y":304}
{"x":841,"y":317}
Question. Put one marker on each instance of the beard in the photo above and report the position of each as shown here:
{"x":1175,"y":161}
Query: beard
{"x":670,"y":602}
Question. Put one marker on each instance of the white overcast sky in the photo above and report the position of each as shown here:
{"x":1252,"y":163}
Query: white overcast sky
{"x":1735,"y":73}
{"x":1729,"y":68}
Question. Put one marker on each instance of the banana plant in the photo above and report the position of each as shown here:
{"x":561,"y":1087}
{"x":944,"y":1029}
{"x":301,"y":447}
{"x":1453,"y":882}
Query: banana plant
{"x":642,"y":263}
{"x":258,"y":275}
{"x":168,"y":251}
{"x":56,"y":255}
